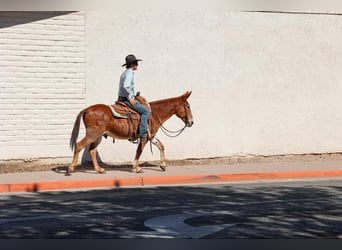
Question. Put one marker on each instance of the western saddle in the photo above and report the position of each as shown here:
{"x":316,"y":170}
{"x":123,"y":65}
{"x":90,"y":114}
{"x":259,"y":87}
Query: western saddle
{"x":123,"y":111}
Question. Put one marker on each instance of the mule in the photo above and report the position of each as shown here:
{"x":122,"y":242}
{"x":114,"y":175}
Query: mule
{"x":99,"y":120}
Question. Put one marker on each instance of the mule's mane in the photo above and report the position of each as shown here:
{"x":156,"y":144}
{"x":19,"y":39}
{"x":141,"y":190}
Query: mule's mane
{"x":163,"y":101}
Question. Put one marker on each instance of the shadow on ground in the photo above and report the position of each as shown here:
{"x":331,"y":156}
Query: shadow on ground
{"x":287,"y":210}
{"x":88,"y":167}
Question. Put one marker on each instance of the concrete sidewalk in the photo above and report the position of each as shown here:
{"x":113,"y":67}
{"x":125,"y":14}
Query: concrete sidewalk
{"x":174,"y":175}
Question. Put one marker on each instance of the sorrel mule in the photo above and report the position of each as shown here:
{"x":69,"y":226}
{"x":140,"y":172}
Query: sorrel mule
{"x":99,"y":120}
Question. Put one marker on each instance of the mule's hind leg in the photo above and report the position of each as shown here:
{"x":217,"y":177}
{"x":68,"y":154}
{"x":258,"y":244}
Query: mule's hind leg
{"x":92,"y":151}
{"x":140,"y":149}
{"x":160,"y":146}
{"x":87,"y":140}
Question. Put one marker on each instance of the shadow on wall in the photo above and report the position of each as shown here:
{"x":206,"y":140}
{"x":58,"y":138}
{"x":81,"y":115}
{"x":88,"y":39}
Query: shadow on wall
{"x":86,"y":159}
{"x":13,"y":18}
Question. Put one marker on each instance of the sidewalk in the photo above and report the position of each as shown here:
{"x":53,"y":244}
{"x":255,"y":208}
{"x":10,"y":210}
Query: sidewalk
{"x":174,"y":175}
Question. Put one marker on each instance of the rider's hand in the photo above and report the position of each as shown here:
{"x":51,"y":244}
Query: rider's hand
{"x":132,"y":101}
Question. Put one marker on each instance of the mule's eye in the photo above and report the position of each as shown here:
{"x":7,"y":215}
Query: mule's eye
{"x":188,"y":107}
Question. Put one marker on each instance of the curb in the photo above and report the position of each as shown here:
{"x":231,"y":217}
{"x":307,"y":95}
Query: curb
{"x":162,"y":180}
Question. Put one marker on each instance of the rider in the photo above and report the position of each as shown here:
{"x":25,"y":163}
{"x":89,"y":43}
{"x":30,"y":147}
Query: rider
{"x":127,"y":95}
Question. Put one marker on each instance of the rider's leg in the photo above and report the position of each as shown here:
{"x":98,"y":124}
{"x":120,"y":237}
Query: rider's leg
{"x":144,"y":113}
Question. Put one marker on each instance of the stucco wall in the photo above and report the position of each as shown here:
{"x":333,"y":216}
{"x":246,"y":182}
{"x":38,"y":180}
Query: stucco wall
{"x":263,"y":83}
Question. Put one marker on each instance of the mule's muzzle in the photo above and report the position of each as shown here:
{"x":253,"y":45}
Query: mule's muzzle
{"x":189,"y":123}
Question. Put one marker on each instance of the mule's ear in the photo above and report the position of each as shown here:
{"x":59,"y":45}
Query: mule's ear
{"x":186,"y":95}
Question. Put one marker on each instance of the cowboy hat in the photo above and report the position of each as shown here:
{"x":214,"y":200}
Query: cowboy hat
{"x":129,"y":59}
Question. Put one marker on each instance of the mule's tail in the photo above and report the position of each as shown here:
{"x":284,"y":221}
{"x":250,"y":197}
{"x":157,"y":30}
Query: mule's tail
{"x":76,"y":130}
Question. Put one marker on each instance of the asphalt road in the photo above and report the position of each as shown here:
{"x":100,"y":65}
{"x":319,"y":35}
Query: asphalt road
{"x":301,"y":209}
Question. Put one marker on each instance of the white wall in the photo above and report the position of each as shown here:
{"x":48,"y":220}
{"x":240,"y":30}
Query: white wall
{"x":42,"y":82}
{"x":262,"y":83}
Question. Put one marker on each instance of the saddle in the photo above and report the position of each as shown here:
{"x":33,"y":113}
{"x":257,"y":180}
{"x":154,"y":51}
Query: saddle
{"x":122,"y":111}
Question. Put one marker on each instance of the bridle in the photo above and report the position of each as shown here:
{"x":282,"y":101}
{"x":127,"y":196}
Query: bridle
{"x":176,"y":133}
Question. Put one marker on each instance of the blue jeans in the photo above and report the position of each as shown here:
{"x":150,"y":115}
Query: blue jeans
{"x":144,"y":113}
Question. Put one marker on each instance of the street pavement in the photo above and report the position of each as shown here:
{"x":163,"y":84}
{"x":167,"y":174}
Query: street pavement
{"x":121,"y":177}
{"x":253,"y":210}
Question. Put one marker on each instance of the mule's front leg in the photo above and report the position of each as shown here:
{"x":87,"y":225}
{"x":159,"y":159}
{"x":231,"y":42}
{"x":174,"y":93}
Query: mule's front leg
{"x":140,"y":149}
{"x":161,"y":148}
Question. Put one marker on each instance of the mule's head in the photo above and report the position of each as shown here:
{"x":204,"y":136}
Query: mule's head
{"x":183,"y":110}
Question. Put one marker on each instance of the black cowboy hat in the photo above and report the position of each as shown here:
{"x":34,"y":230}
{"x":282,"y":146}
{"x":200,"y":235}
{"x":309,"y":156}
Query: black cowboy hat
{"x":130,"y":59}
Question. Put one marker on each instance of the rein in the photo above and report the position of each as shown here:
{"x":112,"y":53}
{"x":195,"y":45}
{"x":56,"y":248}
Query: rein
{"x":170,"y":133}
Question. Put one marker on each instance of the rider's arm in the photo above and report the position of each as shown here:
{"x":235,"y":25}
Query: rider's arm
{"x":128,"y":84}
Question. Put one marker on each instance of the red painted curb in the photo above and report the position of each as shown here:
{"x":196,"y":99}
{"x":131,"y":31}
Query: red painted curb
{"x":4,"y":188}
{"x":193,"y":179}
{"x":296,"y":175}
{"x":74,"y":184}
{"x":162,"y":180}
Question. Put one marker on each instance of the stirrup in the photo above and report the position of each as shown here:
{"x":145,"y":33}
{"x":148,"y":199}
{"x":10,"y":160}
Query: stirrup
{"x":134,"y":142}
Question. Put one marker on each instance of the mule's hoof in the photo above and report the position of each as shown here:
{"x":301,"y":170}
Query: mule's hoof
{"x":163,"y":167}
{"x":69,"y":170}
{"x":138,"y":170}
{"x":101,"y":171}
